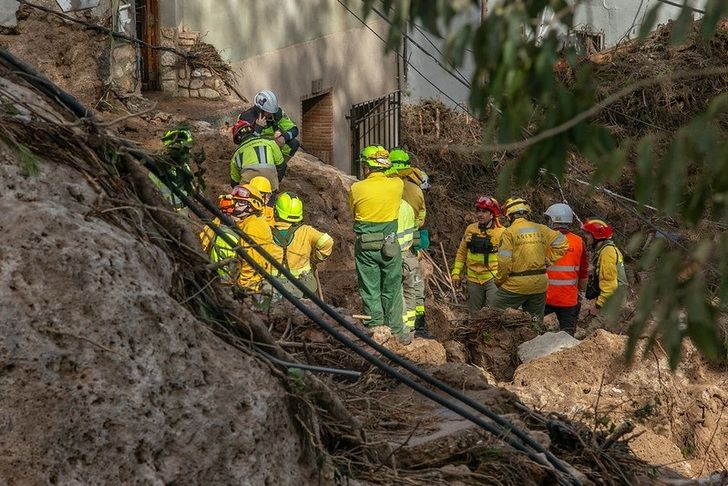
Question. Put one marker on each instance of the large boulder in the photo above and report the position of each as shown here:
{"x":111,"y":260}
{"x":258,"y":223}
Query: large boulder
{"x":105,"y":377}
{"x":545,"y":344}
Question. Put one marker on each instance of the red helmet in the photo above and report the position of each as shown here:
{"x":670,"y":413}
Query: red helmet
{"x":488,"y":203}
{"x":241,"y":128}
{"x":597,"y":228}
{"x":226,"y":204}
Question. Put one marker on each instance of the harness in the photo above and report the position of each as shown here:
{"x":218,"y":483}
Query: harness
{"x":284,"y":240}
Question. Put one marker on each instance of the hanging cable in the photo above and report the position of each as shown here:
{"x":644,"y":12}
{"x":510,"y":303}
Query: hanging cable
{"x":457,"y":78}
{"x":437,"y":88}
{"x":504,"y":430}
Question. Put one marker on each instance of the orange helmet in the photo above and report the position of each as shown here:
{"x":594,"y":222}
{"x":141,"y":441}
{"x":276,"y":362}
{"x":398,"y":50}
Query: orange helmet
{"x":226,"y":204}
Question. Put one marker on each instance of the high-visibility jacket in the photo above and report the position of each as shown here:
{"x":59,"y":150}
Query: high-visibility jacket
{"x":526,"y":249}
{"x":269,"y":216}
{"x":166,"y":192}
{"x":220,"y":250}
{"x":255,"y":153}
{"x":280,"y":121}
{"x":565,"y":273}
{"x":406,"y":226}
{"x":609,"y":269}
{"x":306,"y":246}
{"x":416,"y":198}
{"x":480,"y":267}
{"x":376,"y":199}
{"x":256,"y":227}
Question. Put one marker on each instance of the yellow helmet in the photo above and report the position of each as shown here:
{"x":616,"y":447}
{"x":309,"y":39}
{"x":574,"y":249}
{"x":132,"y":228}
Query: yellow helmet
{"x":375,"y":157}
{"x":262,"y":184}
{"x":516,"y":205}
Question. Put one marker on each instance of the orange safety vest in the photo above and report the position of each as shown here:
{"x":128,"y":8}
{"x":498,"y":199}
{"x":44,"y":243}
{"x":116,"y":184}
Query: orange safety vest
{"x":564,"y":275}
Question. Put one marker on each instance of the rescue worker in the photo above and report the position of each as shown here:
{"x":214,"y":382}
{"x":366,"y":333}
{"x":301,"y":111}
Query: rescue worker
{"x":608,"y":278}
{"x":568,"y":275}
{"x":302,"y":245}
{"x":413,"y":285}
{"x":247,"y":217}
{"x":255,"y":156}
{"x":271,"y":122}
{"x":525,"y":250}
{"x":178,"y":151}
{"x":402,"y":167}
{"x":265,"y":189}
{"x":219,"y":250}
{"x":374,"y":203}
{"x":478,"y":255}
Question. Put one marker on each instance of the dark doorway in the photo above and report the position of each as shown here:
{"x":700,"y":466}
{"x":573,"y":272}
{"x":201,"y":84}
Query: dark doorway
{"x":374,"y":122}
{"x":147,"y":29}
{"x":317,"y":128}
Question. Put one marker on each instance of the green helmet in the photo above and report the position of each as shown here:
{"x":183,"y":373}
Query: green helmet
{"x":177,"y":138}
{"x":400,"y":159}
{"x":376,"y":157}
{"x":289,"y":207}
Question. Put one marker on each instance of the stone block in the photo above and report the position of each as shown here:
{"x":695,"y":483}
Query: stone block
{"x":196,"y":83}
{"x":168,"y":74}
{"x":182,"y":73}
{"x":168,"y":32}
{"x":201,"y":73}
{"x":194,"y":93}
{"x":168,"y":59}
{"x":183,"y":93}
{"x":169,"y":85}
{"x":210,"y":83}
{"x":209,"y":94}
{"x":545,"y":344}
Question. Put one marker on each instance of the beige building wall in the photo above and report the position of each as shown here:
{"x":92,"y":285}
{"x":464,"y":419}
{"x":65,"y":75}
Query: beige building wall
{"x":351,"y":64}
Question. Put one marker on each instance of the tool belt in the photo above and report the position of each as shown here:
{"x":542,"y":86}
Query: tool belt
{"x":480,"y":245}
{"x":526,"y":273}
{"x":371,"y":241}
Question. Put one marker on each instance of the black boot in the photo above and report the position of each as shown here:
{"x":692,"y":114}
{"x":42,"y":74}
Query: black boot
{"x":420,"y":329}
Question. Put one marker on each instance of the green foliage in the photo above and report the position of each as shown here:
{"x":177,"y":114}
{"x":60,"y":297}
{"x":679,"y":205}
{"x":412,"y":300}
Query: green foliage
{"x":28,"y":160}
{"x":540,"y":121}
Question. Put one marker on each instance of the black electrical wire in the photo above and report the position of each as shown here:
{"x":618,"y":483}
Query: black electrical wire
{"x":461,"y":79}
{"x":437,"y":88}
{"x":682,"y":5}
{"x":506,"y":427}
{"x":319,"y":369}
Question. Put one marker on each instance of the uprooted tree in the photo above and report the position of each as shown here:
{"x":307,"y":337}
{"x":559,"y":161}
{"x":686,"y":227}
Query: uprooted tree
{"x":540,"y":117}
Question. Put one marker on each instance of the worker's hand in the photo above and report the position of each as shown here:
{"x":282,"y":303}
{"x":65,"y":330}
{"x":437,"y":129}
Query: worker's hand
{"x":277,"y":134}
{"x":280,"y":141}
{"x":591,"y":308}
{"x":457,"y":282}
{"x":261,"y":121}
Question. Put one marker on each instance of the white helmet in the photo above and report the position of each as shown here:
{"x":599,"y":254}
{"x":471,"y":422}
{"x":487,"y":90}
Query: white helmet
{"x":266,"y":100}
{"x":560,"y":213}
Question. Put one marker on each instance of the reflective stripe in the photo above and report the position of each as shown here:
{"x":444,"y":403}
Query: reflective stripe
{"x":420,"y":310}
{"x":524,"y":231}
{"x":559,"y":239}
{"x":262,"y":155}
{"x":564,"y":268}
{"x":257,"y":166}
{"x":505,"y":253}
{"x":408,"y":231}
{"x":562,"y":283}
{"x":324,"y":238}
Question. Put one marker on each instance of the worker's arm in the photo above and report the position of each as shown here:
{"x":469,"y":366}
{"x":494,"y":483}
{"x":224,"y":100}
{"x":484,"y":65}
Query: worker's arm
{"x":558,"y":246}
{"x":288,"y":129}
{"x":421,"y":209}
{"x":323,"y":245}
{"x":505,"y":258}
{"x":351,"y":203}
{"x":460,"y":256}
{"x":607,"y":274}
{"x":235,"y":163}
{"x":583,"y":270}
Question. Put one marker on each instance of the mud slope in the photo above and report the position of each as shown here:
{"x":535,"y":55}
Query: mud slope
{"x":104,"y":377}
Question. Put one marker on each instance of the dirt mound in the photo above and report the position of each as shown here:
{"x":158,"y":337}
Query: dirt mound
{"x":680,"y":415}
{"x":107,"y":375}
{"x":70,"y":56}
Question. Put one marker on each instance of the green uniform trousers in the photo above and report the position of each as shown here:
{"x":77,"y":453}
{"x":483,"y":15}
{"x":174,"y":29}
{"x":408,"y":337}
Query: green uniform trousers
{"x":411,"y":279}
{"x":480,"y":295}
{"x":380,"y":279}
{"x":419,"y":291}
{"x":534,"y":304}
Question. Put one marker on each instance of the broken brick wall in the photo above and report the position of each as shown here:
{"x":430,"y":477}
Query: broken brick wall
{"x":178,"y":77}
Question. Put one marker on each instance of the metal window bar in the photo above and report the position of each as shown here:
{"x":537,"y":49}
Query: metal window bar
{"x":374,"y":122}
